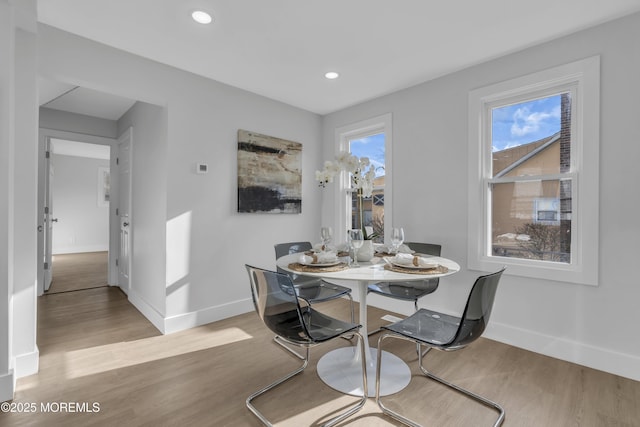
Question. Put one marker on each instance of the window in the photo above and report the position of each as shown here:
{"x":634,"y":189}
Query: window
{"x":371,"y":146}
{"x":372,"y":139}
{"x":533,"y":181}
{"x":547,"y":211}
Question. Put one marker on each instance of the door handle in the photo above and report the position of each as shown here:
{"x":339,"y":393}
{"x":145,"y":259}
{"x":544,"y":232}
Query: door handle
{"x":125,"y":224}
{"x":39,"y":229}
{"x":54,"y":219}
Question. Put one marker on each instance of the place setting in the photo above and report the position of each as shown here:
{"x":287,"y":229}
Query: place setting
{"x":401,"y":259}
{"x":322,"y":257}
{"x":414,"y":264}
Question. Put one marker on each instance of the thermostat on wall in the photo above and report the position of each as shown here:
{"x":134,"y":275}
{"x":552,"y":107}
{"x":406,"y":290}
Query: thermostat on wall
{"x":202,"y":168}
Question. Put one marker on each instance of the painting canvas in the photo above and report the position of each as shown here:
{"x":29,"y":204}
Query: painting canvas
{"x":104,"y":186}
{"x":269,"y":174}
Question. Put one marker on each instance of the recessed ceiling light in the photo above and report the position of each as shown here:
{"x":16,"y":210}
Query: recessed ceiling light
{"x":332,"y":75}
{"x":201,"y":17}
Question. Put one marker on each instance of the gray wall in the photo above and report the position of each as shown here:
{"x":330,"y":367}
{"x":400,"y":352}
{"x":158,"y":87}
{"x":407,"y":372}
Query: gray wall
{"x":588,"y":325}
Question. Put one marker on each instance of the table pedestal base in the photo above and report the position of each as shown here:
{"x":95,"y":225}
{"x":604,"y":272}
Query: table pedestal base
{"x":341,"y":369}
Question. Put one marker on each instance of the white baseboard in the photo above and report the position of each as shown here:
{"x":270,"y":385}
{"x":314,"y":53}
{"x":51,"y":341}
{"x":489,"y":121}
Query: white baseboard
{"x":616,"y":363}
{"x":80,"y":249}
{"x":171,"y":324}
{"x":210,"y":314}
{"x":624,"y":365}
{"x":27,"y":364}
{"x":7,"y":386}
{"x":147,"y":311}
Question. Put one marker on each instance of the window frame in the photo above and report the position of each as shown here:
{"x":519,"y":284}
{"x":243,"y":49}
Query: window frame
{"x":582,"y":80}
{"x":343,"y":134}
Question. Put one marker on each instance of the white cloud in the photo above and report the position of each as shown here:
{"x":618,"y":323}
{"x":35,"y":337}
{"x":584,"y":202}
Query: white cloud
{"x":525,"y":122}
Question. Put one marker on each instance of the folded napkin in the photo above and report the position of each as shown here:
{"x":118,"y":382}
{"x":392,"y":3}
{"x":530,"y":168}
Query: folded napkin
{"x":413,"y":261}
{"x":386,"y":249}
{"x":318,"y":258}
{"x":319,"y":247}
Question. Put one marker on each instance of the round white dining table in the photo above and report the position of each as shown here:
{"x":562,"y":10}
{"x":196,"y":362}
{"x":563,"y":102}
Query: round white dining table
{"x":341,"y":368}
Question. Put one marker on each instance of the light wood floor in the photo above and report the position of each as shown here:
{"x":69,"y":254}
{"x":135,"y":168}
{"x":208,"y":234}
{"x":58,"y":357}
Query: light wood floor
{"x":96,"y":348}
{"x":72,"y":272}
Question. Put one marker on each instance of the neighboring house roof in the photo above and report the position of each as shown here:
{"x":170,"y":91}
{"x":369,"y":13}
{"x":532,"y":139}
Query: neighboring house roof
{"x":510,"y":158}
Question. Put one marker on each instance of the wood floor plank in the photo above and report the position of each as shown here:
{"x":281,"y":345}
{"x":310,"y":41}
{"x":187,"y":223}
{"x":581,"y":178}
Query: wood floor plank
{"x":95,"y":347}
{"x":72,"y":272}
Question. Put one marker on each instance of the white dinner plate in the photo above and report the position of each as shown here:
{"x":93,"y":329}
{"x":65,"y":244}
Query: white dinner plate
{"x":413,"y":267}
{"x":321,"y":264}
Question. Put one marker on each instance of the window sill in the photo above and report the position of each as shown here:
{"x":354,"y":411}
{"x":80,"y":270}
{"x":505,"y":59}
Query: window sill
{"x":544,"y":270}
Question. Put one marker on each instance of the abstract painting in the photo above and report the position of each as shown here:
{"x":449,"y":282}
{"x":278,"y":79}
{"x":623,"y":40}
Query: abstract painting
{"x":269,"y":174}
{"x":104,"y":186}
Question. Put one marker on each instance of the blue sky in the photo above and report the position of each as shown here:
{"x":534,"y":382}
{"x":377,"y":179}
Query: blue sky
{"x":512,"y":125}
{"x":519,"y":124}
{"x":371,"y":147}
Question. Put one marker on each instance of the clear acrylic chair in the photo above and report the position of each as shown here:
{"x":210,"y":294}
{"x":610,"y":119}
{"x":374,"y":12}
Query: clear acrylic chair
{"x":310,"y":289}
{"x":280,"y":310}
{"x":411,"y":290}
{"x":444,"y":332}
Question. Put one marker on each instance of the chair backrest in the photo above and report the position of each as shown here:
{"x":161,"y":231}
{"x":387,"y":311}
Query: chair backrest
{"x":283,"y":249}
{"x":478,"y":310}
{"x":275,"y":302}
{"x":425,"y":248}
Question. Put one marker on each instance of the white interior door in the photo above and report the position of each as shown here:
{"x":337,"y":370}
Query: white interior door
{"x":48,"y":218}
{"x":124,"y":209}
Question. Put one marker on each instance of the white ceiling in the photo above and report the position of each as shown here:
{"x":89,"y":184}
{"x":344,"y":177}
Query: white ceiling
{"x":80,"y":100}
{"x":282,"y":48}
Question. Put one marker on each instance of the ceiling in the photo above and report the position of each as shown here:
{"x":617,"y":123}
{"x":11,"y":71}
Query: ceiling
{"x":281,"y":49}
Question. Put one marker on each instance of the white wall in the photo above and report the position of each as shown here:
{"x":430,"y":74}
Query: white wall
{"x":83,"y":225}
{"x":78,"y":123}
{"x":148,"y":208}
{"x":6,"y":192}
{"x":595,"y":326}
{"x":18,"y":160}
{"x":202,"y":118}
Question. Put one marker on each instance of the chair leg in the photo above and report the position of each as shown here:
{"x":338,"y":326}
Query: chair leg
{"x":470,"y":394}
{"x":331,"y":422}
{"x":429,"y":375}
{"x":384,"y":409}
{"x":274,"y":384}
{"x":374,"y":332}
{"x":276,"y":339}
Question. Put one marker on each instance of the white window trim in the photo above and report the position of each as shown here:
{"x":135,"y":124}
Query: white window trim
{"x":584,"y":78}
{"x":343,"y":134}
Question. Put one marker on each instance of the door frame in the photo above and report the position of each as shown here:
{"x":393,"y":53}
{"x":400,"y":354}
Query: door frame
{"x":125,"y":136}
{"x":45,"y":134}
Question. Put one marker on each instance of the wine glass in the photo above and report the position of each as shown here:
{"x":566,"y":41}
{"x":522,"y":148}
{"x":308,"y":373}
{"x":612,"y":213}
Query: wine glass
{"x":397,"y":238}
{"x":326,"y":235}
{"x":357,"y":240}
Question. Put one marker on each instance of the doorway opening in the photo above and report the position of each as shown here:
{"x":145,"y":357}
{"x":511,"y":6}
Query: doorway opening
{"x":78,"y":193}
